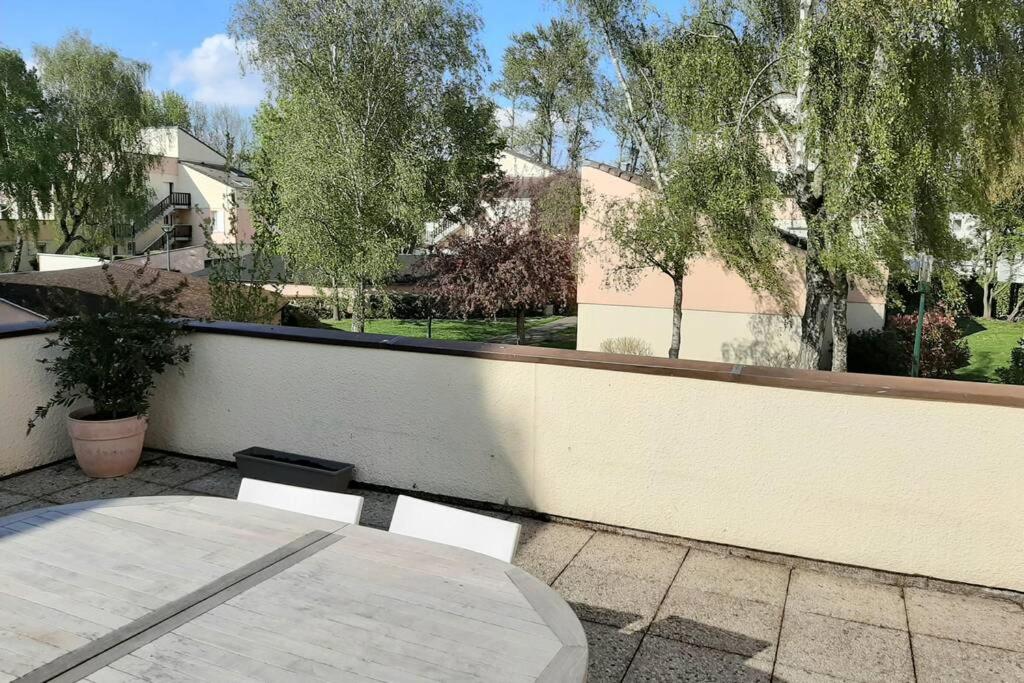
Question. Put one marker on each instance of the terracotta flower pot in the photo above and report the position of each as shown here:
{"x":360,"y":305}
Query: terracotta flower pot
{"x":106,"y":448}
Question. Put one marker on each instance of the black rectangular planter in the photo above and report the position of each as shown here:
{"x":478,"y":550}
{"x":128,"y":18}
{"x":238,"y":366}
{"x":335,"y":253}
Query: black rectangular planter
{"x":294,"y":469}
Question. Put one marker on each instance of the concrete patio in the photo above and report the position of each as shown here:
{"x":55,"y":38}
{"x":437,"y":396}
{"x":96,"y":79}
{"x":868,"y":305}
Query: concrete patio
{"x":662,"y":609}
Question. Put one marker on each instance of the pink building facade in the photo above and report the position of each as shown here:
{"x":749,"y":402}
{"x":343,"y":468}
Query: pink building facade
{"x":724,"y":319}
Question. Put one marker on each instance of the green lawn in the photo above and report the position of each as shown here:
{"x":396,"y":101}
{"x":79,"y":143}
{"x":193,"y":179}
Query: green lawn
{"x":990,"y":342}
{"x":453,"y":330}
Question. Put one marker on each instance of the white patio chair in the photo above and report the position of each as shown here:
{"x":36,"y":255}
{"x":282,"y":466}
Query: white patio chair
{"x":451,"y":526}
{"x":327,"y":504}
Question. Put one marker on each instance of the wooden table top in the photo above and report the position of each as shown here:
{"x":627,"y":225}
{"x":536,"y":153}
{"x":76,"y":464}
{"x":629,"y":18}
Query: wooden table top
{"x":195,"y":588}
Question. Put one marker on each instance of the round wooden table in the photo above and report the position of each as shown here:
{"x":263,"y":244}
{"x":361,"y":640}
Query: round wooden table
{"x":211,"y":589}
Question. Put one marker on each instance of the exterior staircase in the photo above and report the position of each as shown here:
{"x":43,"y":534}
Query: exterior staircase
{"x":146,"y":232}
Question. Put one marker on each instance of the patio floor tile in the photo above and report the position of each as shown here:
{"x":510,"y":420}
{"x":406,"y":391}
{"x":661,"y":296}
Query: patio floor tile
{"x":660,"y":659}
{"x":610,"y":598}
{"x":30,"y":504}
{"x":737,"y":577}
{"x":983,"y":621}
{"x":47,"y":480}
{"x":172,"y":470}
{"x":947,"y":660}
{"x":378,"y":507}
{"x":7,"y":499}
{"x":629,"y":556}
{"x":845,"y":598}
{"x":95,"y":489}
{"x":223,"y":482}
{"x":610,"y":650}
{"x":844,"y":649}
{"x":722,"y":622}
{"x":789,"y":674}
{"x":546,"y":549}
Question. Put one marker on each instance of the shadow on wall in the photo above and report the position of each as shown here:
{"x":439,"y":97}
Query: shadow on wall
{"x":774,"y":341}
{"x":436,"y":423}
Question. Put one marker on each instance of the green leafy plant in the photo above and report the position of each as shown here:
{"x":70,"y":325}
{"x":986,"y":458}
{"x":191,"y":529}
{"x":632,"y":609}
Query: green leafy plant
{"x":112,"y":356}
{"x":890,"y":351}
{"x":1014,"y":372}
{"x":630,"y":346}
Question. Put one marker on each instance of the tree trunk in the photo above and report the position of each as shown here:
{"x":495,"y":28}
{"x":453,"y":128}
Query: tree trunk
{"x":521,"y":326}
{"x":677,"y":317}
{"x":19,"y":244}
{"x":816,"y":303}
{"x":1018,"y":309}
{"x":359,"y":307}
{"x":986,"y":300}
{"x":840,"y":326}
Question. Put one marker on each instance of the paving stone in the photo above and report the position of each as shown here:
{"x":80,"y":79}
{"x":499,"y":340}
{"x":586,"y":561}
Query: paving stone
{"x":95,"y":489}
{"x":844,"y":598}
{"x":610,"y":651}
{"x":620,"y":580}
{"x":737,"y":577}
{"x":7,"y":499}
{"x":610,"y":598}
{"x":744,"y":627}
{"x":172,"y":470}
{"x":30,"y":504}
{"x":790,"y":674}
{"x":40,"y":483}
{"x":378,"y":508}
{"x":223,"y":482}
{"x":635,"y":557}
{"x":983,"y":621}
{"x":844,"y":649}
{"x":937,"y":659}
{"x":545,"y":548}
{"x":660,"y":659}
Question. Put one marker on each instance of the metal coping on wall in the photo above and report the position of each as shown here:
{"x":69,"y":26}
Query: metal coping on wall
{"x":783,"y":378}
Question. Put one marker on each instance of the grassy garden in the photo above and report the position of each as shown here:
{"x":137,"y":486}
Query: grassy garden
{"x":451,"y":330}
{"x":990,"y":342}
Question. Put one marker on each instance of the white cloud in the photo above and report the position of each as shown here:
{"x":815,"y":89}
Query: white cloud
{"x":504,"y":117}
{"x":212,"y":73}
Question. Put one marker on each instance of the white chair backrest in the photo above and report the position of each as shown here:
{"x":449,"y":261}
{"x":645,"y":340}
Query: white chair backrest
{"x":451,"y":526}
{"x":327,"y":504}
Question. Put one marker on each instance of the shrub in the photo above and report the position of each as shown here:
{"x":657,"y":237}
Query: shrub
{"x":630,"y":346}
{"x":112,"y":357}
{"x":1014,"y":372}
{"x":891,"y":351}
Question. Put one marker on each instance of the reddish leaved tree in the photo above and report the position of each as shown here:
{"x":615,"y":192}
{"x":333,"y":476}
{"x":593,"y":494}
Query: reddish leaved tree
{"x":504,"y":266}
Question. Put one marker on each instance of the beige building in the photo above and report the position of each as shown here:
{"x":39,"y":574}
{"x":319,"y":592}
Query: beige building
{"x":723,"y":318}
{"x":190,"y":187}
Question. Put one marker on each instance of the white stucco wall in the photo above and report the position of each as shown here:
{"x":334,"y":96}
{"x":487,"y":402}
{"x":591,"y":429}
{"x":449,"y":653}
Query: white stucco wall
{"x":49,"y":262}
{"x":897,"y":484}
{"x":24,"y":385}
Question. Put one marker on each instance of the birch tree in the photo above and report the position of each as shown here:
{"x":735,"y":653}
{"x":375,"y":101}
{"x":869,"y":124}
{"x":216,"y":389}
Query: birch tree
{"x":883,"y":117}
{"x":376,"y":128}
{"x":96,"y":112}
{"x":25,"y":151}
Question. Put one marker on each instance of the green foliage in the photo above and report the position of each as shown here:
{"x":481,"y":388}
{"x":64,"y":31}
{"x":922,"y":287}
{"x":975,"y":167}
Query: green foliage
{"x":630,"y":346}
{"x":551,"y":70}
{"x":112,"y":357}
{"x":96,"y":111}
{"x":360,"y":151}
{"x":244,"y":283}
{"x":26,"y":149}
{"x":883,"y":117}
{"x":168,"y":108}
{"x":1014,"y":372}
{"x":890,"y":351}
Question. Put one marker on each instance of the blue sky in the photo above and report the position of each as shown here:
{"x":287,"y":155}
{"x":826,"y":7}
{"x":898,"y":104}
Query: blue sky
{"x":185,"y":43}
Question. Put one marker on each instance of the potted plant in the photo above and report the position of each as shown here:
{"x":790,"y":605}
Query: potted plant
{"x":112,"y":353}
